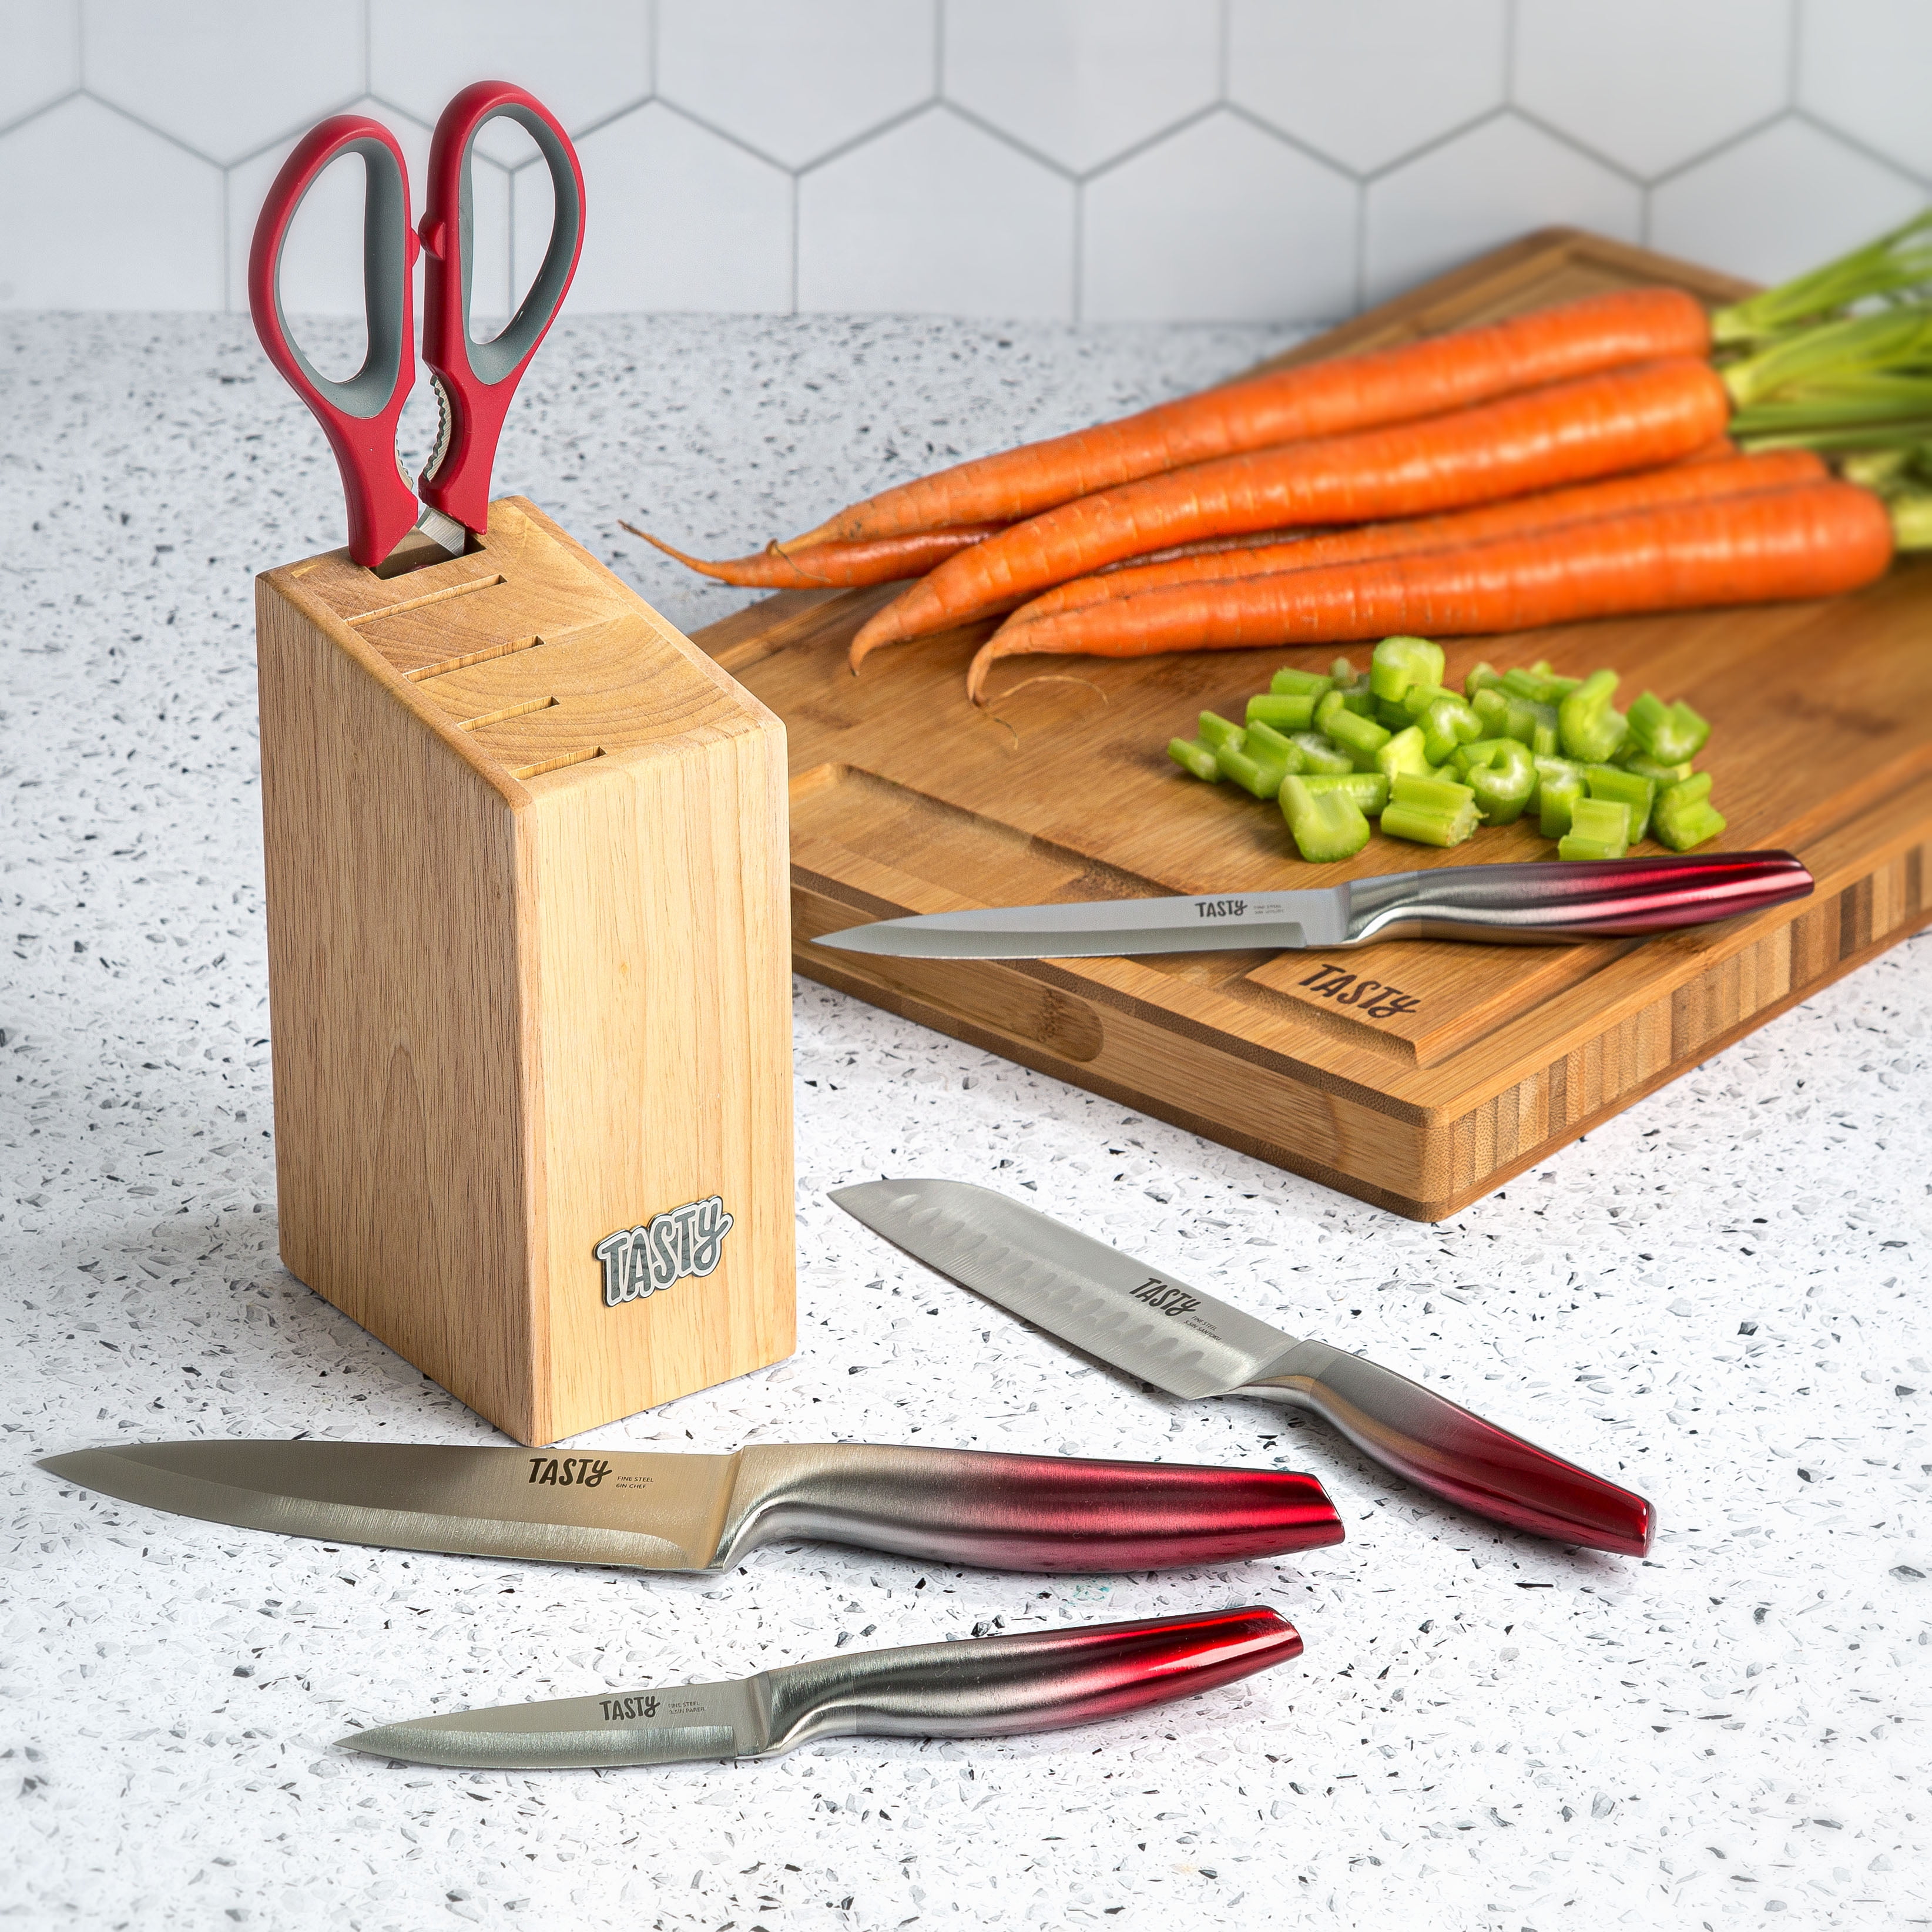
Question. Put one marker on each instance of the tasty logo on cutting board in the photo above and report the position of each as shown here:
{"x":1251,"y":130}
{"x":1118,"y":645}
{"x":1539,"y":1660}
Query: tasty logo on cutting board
{"x":1376,"y":997}
{"x":688,"y":1240}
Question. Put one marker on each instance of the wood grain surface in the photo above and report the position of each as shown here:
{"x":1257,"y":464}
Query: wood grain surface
{"x":905,"y":799}
{"x":527,"y":972}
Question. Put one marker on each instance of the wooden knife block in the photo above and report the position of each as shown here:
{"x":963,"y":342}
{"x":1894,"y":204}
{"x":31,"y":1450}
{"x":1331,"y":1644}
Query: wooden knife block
{"x":529,"y":978}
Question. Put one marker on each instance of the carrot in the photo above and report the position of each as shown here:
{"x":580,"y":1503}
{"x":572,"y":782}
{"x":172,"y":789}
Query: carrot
{"x":1689,"y":481}
{"x":1623,"y":419}
{"x":1811,"y":540}
{"x":1330,"y":397}
{"x":875,"y":560}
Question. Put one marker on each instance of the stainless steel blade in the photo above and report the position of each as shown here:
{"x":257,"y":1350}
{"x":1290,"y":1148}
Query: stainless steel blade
{"x":1107,"y":1303}
{"x":1110,"y":928}
{"x":647,"y":1512}
{"x":689,"y":1722}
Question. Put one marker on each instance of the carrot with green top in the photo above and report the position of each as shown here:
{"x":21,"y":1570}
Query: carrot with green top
{"x":1623,"y":419}
{"x":1330,"y":398}
{"x":1811,"y":540}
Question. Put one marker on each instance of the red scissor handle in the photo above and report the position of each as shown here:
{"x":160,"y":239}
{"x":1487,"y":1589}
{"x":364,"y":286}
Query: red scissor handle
{"x":358,"y":416}
{"x":478,"y":378}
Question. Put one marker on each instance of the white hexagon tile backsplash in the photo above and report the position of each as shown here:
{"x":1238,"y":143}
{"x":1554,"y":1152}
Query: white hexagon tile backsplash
{"x":1091,"y":159}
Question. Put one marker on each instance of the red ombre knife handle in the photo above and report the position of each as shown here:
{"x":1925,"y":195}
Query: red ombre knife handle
{"x":1031,"y":1680}
{"x":1442,"y":1448}
{"x":1001,"y":1512}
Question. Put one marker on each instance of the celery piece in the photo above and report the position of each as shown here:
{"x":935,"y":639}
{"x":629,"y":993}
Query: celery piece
{"x":1286,"y":711}
{"x":1632,"y":759}
{"x":1391,"y":715}
{"x":1342,"y":671}
{"x":1503,"y":781}
{"x":1399,"y":662}
{"x":1289,"y":682}
{"x":1329,"y":705}
{"x":1590,"y":730}
{"x":1628,"y":788}
{"x":1191,"y":754}
{"x":1216,"y":730}
{"x":1602,"y":822}
{"x":1430,"y":811}
{"x":1369,"y":790}
{"x":1532,"y":723}
{"x":1537,"y":686}
{"x":1544,"y":669}
{"x":1261,"y":762}
{"x":1358,"y":698}
{"x":1418,"y":697}
{"x":1484,"y":675}
{"x":1559,"y":785}
{"x":1671,"y":734}
{"x":1325,"y":825}
{"x":1447,"y":723}
{"x":1476,"y":752}
{"x":1491,"y":706}
{"x":1406,"y":751}
{"x":1319,"y":755}
{"x":1685,"y":816}
{"x":1361,"y":738}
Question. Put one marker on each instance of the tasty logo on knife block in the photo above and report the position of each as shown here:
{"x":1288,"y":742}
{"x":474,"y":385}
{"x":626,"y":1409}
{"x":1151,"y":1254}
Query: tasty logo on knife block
{"x":687,"y":1241}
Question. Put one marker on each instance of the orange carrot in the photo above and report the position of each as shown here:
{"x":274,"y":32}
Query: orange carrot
{"x":1811,"y":540}
{"x":1623,"y":419}
{"x":1516,"y":516}
{"x":876,"y":560}
{"x":1330,"y":398}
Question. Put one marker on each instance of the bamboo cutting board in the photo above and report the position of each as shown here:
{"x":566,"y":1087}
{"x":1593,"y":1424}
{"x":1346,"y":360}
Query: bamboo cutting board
{"x":1416,"y":1075}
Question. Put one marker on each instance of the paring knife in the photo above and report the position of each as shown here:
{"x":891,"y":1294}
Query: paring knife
{"x":979,"y":1687}
{"x":1144,"y":1322}
{"x":1512,"y":904}
{"x":650,"y":1511}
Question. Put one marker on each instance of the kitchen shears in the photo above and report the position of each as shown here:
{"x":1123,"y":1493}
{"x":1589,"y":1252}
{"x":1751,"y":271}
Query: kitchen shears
{"x":474,"y":381}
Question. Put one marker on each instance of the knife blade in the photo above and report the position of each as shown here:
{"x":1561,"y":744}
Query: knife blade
{"x":983,"y":1687}
{"x":1513,"y":904}
{"x":1154,"y":1326}
{"x":647,"y":1511}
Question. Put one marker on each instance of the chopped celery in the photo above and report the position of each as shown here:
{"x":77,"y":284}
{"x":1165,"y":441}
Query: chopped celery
{"x":1289,"y":682}
{"x":1216,"y":730}
{"x":1484,"y":675}
{"x":1431,"y":811}
{"x":1599,"y":829}
{"x":1192,"y":754}
{"x":1628,"y":788}
{"x":1447,"y":723}
{"x":1590,"y":730}
{"x":1406,"y":751}
{"x":1261,"y":761}
{"x":1400,"y":662}
{"x":1320,"y":754}
{"x":1342,"y":671}
{"x":1418,"y":697}
{"x":1559,"y":785}
{"x":1491,"y":706}
{"x":1671,"y":734}
{"x":1325,"y":825}
{"x":1369,"y":790}
{"x":1503,"y":780}
{"x":1286,"y":711}
{"x":1685,"y":816}
{"x":1360,"y":737}
{"x":1538,"y":685}
{"x":1532,"y":723}
{"x":1391,"y":714}
{"x":1632,"y":759}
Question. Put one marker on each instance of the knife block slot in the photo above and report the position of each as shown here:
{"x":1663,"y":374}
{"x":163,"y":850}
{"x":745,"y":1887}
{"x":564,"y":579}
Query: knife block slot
{"x":529,"y":979}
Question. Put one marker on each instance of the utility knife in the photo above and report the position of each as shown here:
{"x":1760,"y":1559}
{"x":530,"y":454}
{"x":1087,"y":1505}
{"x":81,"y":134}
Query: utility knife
{"x":978,"y":1687}
{"x":1146,"y":1322}
{"x":650,"y":1511}
{"x":1529,"y":904}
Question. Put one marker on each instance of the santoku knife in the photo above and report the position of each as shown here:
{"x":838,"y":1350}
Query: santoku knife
{"x":1513,"y":904}
{"x":652,"y":1511}
{"x":986,"y":1686}
{"x":1181,"y":1340}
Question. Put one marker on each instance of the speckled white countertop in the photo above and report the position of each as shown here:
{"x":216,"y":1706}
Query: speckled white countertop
{"x":1719,"y":1294}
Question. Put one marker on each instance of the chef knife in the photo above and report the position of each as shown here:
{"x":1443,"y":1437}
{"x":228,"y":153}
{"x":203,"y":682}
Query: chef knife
{"x":984,"y":1687}
{"x":1512,"y":904}
{"x":1181,"y":1340}
{"x":651,"y":1511}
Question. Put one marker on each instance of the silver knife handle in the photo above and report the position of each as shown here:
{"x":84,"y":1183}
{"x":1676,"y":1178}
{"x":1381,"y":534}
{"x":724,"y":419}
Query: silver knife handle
{"x":1587,"y":899}
{"x":1001,"y":1512}
{"x":1459,"y":1456}
{"x":1034,"y":1680}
